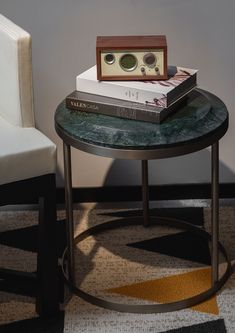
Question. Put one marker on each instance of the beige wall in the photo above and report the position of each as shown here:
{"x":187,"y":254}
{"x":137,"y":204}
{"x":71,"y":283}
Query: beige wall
{"x":200,"y":34}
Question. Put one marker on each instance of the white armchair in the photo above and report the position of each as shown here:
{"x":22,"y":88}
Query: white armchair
{"x":27,"y":160}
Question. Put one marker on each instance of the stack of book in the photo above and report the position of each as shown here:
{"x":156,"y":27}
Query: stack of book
{"x":150,"y":101}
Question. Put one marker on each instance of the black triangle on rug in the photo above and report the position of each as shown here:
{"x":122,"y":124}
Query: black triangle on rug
{"x":183,"y":245}
{"x":36,"y":325}
{"x":214,"y":326}
{"x":193,"y":215}
{"x":27,"y":238}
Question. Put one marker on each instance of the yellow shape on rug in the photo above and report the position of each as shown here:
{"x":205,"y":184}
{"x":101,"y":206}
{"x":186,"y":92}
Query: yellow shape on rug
{"x":173,"y":288}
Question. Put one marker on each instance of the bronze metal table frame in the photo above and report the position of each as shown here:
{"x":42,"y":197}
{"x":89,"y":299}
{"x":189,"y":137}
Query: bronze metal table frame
{"x":144,"y":155}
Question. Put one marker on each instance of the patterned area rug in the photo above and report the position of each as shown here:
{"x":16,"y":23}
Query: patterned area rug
{"x":130,"y":265}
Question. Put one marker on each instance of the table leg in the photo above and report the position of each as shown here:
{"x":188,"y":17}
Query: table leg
{"x":69,"y":210}
{"x":145,"y":192}
{"x":215,"y":210}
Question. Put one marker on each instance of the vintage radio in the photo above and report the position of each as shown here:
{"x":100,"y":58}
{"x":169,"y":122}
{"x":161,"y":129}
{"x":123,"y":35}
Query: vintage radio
{"x":131,"y":57}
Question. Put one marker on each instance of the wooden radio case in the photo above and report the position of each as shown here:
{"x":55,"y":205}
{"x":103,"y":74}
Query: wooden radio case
{"x":131,"y":57}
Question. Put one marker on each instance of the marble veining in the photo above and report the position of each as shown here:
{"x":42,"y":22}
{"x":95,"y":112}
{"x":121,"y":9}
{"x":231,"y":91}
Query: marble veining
{"x":203,"y":114}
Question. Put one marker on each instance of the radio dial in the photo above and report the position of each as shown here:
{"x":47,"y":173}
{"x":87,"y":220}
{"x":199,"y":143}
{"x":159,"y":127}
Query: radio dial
{"x":150,"y":60}
{"x":109,"y":58}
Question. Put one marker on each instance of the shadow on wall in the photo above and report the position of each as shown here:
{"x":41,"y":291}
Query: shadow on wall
{"x":191,"y":168}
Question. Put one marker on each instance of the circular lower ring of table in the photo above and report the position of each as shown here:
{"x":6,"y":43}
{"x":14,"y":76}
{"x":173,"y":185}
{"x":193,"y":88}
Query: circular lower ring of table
{"x":147,"y":308}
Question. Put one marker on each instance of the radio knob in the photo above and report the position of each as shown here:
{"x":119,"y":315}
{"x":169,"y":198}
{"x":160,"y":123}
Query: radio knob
{"x":142,"y":70}
{"x":157,"y":70}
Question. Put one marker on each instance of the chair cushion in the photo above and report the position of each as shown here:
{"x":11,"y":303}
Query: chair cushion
{"x":24,"y":153}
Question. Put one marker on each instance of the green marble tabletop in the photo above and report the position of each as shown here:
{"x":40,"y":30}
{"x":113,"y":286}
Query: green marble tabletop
{"x":202,"y":116}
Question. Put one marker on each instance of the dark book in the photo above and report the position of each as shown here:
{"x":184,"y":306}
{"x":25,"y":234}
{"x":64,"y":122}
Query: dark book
{"x":120,"y":108}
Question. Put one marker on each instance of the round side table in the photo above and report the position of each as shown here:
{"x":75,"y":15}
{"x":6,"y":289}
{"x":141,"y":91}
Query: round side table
{"x":199,"y":124}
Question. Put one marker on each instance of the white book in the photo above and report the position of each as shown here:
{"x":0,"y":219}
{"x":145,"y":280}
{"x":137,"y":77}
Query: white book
{"x":157,"y":93}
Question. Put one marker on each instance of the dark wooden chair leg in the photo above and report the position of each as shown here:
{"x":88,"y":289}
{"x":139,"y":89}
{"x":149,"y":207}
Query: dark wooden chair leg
{"x":47,"y":300}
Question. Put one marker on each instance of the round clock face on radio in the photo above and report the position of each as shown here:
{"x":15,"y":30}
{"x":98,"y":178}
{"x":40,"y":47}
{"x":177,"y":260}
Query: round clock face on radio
{"x":128,"y":62}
